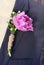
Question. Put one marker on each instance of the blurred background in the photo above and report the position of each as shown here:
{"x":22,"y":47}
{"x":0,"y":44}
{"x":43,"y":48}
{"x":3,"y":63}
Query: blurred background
{"x":6,"y":7}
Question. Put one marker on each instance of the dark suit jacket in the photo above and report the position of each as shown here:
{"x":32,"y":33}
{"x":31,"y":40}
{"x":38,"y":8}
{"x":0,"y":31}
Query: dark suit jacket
{"x":27,"y":46}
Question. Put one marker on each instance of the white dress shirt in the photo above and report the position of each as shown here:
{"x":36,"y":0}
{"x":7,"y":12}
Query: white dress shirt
{"x":6,"y":7}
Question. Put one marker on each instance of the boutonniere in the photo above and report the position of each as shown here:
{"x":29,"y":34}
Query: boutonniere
{"x":19,"y":21}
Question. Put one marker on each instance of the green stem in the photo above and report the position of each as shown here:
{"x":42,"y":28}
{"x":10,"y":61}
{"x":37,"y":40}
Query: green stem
{"x":15,"y":29}
{"x":9,"y":52}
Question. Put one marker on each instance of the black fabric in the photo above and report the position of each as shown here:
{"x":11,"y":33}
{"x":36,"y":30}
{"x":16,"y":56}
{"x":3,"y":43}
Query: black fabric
{"x":27,"y":46}
{"x":21,"y":5}
{"x":37,"y":13}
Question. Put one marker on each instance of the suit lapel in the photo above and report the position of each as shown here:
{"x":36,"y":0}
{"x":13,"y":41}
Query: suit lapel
{"x":21,"y":5}
{"x":19,"y":36}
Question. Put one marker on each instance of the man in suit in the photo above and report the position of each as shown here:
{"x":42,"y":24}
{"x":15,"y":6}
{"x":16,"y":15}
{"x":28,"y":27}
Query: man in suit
{"x":27,"y":45}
